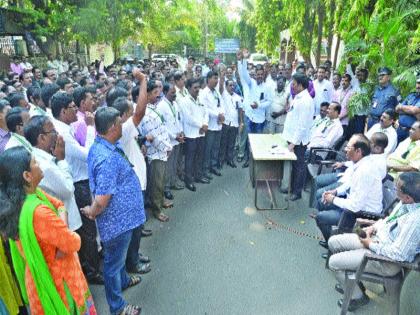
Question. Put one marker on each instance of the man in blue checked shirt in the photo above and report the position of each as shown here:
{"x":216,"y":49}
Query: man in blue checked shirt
{"x":396,"y":237}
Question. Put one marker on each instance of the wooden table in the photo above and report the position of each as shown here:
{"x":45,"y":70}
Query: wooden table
{"x":270,"y":160}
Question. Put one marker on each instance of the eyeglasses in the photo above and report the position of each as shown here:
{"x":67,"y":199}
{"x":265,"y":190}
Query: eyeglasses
{"x":53,"y":132}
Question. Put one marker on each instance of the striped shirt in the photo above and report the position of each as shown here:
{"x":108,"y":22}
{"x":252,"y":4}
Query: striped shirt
{"x":153,"y":124}
{"x":398,"y":236}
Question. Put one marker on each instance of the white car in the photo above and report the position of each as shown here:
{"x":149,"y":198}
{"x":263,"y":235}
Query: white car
{"x":258,"y":59}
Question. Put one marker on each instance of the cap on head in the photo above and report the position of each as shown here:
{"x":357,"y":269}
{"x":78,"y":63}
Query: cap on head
{"x":384,"y":71}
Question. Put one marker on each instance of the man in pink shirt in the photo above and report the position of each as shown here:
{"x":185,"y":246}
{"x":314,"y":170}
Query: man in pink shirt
{"x":15,"y":66}
{"x":85,"y":103}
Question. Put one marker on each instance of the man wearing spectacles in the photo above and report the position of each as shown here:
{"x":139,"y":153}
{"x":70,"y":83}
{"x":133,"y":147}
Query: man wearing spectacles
{"x":49,"y":151}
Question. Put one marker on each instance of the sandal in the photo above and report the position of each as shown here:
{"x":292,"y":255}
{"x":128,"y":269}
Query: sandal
{"x":162,"y":217}
{"x":134,"y":280}
{"x":131,"y":310}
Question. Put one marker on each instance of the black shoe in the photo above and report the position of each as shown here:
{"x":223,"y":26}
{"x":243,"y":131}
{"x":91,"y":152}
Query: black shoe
{"x":215,"y":172}
{"x":339,"y":288}
{"x":168,"y":195}
{"x":208,"y":176}
{"x":146,"y":232}
{"x":177,"y":186}
{"x":202,"y":180}
{"x":144,"y":259}
{"x":284,"y":190}
{"x":323,"y":244}
{"x":96,"y":279}
{"x":356,"y":303}
{"x":190,"y":187}
{"x":246,"y":164}
{"x":140,"y":268}
{"x":324,"y":255}
{"x":294,"y":197}
{"x":231,"y":164}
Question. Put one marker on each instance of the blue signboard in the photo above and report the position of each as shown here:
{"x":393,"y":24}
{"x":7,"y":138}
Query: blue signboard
{"x":226,"y":45}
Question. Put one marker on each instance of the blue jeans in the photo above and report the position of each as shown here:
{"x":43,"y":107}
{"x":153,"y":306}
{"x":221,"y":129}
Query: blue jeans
{"x":325,"y":220}
{"x":252,"y":127}
{"x":115,"y":275}
{"x":323,"y":183}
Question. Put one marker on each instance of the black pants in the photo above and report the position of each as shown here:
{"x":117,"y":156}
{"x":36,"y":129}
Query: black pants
{"x":298,"y":170}
{"x":194,"y":155}
{"x":211,"y":150}
{"x":227,"y":144}
{"x":88,"y":254}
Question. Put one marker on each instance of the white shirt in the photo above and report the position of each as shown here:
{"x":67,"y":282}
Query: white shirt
{"x":195,"y":116}
{"x":172,"y":116}
{"x":76,"y":155}
{"x":58,"y":182}
{"x":323,"y":93}
{"x":390,"y":133}
{"x":214,"y":104}
{"x":299,"y":119}
{"x":326,"y":133}
{"x":258,"y":93}
{"x":233,"y":103}
{"x":38,"y":111}
{"x":365,"y":189}
{"x":132,"y":150}
{"x":279,"y":103}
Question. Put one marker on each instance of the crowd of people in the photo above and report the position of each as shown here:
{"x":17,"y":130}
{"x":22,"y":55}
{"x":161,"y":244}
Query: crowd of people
{"x":88,"y":154}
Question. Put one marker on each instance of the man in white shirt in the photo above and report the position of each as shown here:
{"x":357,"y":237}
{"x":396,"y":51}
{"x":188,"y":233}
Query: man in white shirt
{"x":195,"y":123}
{"x":169,"y":109}
{"x":233,"y":119}
{"x":49,"y":151}
{"x":64,"y":111}
{"x":181,"y":90}
{"x":257,"y":99}
{"x":386,"y":126}
{"x":212,"y":100}
{"x":326,"y":132}
{"x":365,"y":191}
{"x":129,"y":142}
{"x":276,"y":113}
{"x":297,"y":129}
{"x":323,"y":89}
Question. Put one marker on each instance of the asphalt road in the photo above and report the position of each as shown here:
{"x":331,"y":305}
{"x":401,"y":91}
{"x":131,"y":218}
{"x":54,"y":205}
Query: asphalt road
{"x":218,"y":255}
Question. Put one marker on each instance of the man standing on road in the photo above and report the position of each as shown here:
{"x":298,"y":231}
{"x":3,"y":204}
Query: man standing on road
{"x":116,"y":206}
{"x":256,"y":100}
{"x":297,"y":131}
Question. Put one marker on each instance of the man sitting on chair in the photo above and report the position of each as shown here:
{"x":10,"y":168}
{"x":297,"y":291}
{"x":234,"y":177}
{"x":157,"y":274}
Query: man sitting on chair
{"x":396,"y":237}
{"x":327,"y":131}
{"x":363,"y":194}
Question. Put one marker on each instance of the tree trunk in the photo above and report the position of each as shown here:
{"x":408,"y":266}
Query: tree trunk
{"x":337,"y":47}
{"x":330,"y":29}
{"x":149,"y":51}
{"x":310,"y":35}
{"x":321,"y":16}
{"x":115,"y":50}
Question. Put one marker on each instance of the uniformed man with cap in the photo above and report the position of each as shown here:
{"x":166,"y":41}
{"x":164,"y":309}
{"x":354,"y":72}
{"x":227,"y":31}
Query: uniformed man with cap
{"x":385,"y":96}
{"x":409,"y":110}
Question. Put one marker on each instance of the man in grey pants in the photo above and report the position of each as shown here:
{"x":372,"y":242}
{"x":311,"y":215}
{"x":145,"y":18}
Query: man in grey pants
{"x":396,"y":237}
